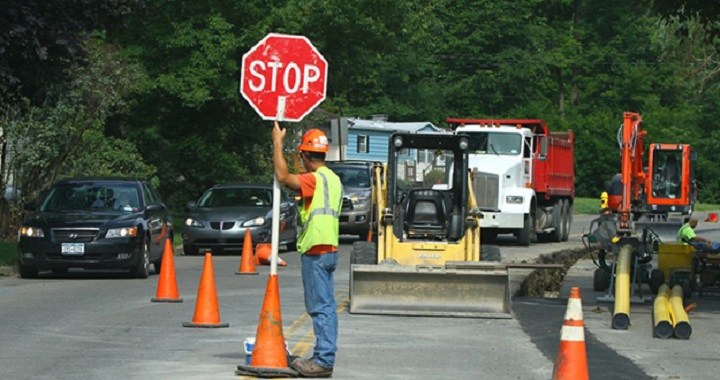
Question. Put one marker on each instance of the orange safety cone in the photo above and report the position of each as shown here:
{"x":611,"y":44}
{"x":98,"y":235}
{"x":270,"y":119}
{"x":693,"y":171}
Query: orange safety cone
{"x":247,"y":262}
{"x":263,"y":252}
{"x":712,"y":217}
{"x":571,"y":361}
{"x":269,"y":358}
{"x":167,"y":290}
{"x":207,"y":311}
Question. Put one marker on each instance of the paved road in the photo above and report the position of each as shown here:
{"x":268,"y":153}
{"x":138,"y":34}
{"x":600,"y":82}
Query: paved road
{"x":105,"y":327}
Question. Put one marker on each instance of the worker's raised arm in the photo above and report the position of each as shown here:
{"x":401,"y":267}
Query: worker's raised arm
{"x":282,"y":173}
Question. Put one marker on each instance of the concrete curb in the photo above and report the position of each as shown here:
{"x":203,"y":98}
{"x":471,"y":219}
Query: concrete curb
{"x":8,"y":271}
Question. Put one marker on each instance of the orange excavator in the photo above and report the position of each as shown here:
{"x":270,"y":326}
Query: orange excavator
{"x":645,"y":204}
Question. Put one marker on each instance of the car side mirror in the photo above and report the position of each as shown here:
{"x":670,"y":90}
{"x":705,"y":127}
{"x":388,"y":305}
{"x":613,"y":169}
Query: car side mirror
{"x":155,"y":207}
{"x":543,"y":149}
{"x":30,"y":206}
{"x":189,"y":205}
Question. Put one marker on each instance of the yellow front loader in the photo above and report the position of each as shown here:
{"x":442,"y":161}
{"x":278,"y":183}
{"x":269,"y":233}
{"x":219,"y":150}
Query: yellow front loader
{"x":426,"y":257}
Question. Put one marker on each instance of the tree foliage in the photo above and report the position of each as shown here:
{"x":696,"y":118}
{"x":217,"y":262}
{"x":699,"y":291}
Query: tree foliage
{"x":579,"y":64}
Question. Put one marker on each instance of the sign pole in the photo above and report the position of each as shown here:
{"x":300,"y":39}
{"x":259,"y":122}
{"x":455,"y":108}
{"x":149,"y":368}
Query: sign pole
{"x":275,"y":233}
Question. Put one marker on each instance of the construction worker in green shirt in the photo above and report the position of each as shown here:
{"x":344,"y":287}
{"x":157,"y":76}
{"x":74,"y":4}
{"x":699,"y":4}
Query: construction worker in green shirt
{"x":686,"y":233}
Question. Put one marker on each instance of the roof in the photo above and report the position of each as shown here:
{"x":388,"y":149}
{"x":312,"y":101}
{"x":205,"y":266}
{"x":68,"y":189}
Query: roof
{"x":392,"y":127}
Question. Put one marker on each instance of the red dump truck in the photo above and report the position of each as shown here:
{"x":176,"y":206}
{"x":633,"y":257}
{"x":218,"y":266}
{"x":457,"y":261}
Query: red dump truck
{"x":523,"y":176}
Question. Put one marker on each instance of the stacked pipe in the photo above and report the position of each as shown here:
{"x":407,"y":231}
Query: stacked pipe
{"x":669,"y":315}
{"x":621,"y":313}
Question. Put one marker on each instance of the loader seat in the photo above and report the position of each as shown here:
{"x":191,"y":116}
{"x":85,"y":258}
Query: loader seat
{"x":426,"y":214}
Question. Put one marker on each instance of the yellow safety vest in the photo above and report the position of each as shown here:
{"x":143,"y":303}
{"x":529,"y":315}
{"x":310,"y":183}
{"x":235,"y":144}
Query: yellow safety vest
{"x":320,"y":224}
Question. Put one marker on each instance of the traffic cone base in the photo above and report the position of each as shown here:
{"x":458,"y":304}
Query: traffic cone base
{"x":207,"y":311}
{"x":712,"y":217}
{"x":167,"y":290}
{"x":269,"y":356}
{"x":571,"y":361}
{"x":247,"y":262}
{"x":263,"y":253}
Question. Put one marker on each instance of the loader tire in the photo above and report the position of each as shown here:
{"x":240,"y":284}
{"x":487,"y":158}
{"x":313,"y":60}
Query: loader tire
{"x":489,"y":252}
{"x":363,"y":252}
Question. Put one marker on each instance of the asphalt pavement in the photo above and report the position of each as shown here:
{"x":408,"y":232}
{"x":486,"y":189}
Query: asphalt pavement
{"x":103,"y":326}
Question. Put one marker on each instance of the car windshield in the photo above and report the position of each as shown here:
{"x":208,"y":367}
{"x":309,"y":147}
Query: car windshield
{"x":91,"y":197}
{"x":353,"y":177}
{"x":236,"y":197}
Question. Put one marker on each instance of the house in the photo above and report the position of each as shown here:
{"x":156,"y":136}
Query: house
{"x":367,"y":140}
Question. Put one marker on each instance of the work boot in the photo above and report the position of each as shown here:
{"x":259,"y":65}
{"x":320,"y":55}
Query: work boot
{"x":308,"y":368}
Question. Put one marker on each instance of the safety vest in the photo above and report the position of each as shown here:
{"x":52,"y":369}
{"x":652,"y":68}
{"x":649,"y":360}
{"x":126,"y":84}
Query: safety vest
{"x":685,"y":232}
{"x":320,"y":224}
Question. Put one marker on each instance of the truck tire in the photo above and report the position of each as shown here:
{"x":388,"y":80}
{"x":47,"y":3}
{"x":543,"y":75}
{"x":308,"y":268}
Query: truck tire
{"x":363,"y":252}
{"x":489,"y":252}
{"x":526,"y":232}
{"x":556,"y":235}
{"x":568,"y":220}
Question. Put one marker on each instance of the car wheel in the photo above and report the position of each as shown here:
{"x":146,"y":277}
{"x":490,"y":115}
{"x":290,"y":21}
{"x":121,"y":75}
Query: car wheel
{"x":190,"y":250}
{"x":27,"y":272}
{"x":157,"y":265}
{"x":143,"y":267}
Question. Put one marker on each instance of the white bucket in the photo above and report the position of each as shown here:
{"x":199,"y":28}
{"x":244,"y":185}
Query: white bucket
{"x":249,"y":344}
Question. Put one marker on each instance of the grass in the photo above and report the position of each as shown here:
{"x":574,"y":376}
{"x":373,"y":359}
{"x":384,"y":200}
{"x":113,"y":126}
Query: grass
{"x":8,"y":252}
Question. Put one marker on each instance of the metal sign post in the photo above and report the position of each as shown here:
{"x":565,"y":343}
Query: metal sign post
{"x":275,"y":233}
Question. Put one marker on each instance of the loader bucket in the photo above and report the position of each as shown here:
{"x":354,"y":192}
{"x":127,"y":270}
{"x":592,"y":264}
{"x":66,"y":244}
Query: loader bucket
{"x":666,"y":230}
{"x":462,"y":289}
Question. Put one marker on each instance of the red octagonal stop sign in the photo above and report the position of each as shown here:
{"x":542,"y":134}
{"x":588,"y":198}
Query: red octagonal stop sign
{"x":283,"y":70}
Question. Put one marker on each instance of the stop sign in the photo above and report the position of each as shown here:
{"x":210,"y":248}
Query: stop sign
{"x":283,"y":77}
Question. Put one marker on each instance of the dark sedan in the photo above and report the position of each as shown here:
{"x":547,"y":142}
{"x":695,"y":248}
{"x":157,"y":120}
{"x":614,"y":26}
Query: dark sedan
{"x":221,"y":217}
{"x":95,"y":224}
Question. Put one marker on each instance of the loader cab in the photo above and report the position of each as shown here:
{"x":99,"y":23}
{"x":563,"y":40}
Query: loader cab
{"x":427,"y":186}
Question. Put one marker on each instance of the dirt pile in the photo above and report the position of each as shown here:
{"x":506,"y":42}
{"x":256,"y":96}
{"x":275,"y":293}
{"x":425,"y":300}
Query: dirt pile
{"x":543,"y":281}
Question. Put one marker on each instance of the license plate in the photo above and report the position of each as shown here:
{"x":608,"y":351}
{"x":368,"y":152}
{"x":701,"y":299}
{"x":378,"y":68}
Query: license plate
{"x":73,"y":249}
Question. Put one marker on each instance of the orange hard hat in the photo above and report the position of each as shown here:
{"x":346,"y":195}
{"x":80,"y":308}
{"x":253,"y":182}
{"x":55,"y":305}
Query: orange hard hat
{"x":314,"y":140}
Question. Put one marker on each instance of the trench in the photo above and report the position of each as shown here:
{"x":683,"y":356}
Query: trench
{"x":546,"y":283}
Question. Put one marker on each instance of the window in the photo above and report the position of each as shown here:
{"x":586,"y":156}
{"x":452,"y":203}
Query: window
{"x":425,"y":156}
{"x":363,"y":144}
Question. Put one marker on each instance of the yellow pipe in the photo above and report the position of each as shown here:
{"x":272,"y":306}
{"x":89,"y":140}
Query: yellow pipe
{"x":681,"y":323}
{"x":663,"y":327}
{"x":621,"y":315}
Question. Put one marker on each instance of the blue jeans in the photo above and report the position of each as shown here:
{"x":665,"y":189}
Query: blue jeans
{"x":317,"y":277}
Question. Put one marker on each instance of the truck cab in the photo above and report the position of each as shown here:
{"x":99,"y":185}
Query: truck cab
{"x":523,"y":176}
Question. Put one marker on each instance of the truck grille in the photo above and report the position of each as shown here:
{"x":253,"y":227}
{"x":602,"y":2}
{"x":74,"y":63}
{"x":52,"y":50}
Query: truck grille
{"x":486,"y":190}
{"x":74,"y":235}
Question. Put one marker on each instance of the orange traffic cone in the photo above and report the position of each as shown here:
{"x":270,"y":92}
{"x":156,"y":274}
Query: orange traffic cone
{"x":571,"y":362}
{"x":207,"y":311}
{"x":268,"y":355}
{"x":247,"y":262}
{"x":167,"y":290}
{"x":712,"y":217}
{"x":263,"y":252}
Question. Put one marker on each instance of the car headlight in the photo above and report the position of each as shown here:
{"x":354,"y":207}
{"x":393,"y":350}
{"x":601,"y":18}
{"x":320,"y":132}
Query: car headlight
{"x":32,"y":232}
{"x":121,"y":232}
{"x":359,"y":202}
{"x":514,"y":199}
{"x":190,"y":222}
{"x":259,"y":221}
